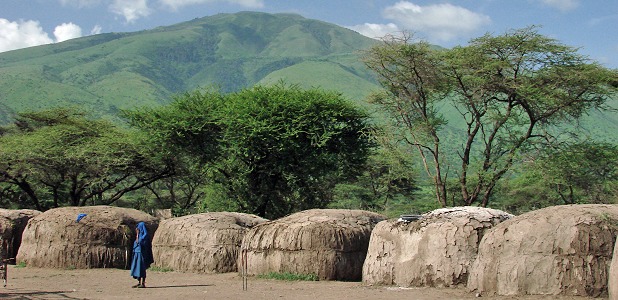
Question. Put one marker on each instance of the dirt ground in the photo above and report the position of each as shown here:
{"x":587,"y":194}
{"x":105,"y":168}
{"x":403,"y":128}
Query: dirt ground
{"x":34,"y":283}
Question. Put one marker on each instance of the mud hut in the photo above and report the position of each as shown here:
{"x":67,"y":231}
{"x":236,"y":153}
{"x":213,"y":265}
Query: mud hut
{"x":437,"y":250}
{"x":329,"y":243}
{"x":202,"y":243}
{"x":560,"y":250}
{"x":6,"y":235}
{"x":12,"y":225}
{"x":103,"y":238}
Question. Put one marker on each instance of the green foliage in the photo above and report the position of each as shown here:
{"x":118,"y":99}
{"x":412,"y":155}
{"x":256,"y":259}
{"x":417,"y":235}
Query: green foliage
{"x":216,"y":199}
{"x":272,"y":150}
{"x":387,"y":185}
{"x":21,"y":264}
{"x":58,"y":157}
{"x":590,"y":168}
{"x":523,"y":192}
{"x":511,"y":93}
{"x":581,"y":172}
{"x":289,"y":276}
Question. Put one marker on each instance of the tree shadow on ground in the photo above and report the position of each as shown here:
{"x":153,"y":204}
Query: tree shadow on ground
{"x":37,"y":295}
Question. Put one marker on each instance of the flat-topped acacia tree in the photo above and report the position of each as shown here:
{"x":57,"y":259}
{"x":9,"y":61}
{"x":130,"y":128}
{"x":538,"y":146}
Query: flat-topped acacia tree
{"x":60,"y":157}
{"x":509,"y":91}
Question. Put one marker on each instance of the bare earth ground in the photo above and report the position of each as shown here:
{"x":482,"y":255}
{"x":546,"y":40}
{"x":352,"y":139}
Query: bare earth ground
{"x":34,"y":283}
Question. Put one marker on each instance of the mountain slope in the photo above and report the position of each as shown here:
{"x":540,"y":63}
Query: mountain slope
{"x":108,"y":72}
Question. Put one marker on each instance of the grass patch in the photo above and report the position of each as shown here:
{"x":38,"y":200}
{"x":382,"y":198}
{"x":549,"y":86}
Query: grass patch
{"x":21,"y":264}
{"x":289,"y":276}
{"x":161,"y":269}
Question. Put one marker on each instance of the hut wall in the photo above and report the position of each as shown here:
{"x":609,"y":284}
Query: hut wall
{"x":202,"y":243}
{"x":103,"y":239}
{"x":435,"y":251}
{"x":331,"y":244}
{"x":560,"y":250}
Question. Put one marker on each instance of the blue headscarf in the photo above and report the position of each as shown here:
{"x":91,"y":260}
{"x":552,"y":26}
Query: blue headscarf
{"x":144,"y":241}
{"x":143,"y":232}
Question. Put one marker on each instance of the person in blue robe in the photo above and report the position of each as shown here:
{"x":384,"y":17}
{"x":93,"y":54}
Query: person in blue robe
{"x":142,"y":255}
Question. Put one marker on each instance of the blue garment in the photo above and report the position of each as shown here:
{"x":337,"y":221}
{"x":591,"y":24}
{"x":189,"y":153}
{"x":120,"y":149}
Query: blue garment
{"x":142,"y":253}
{"x":79,"y":217}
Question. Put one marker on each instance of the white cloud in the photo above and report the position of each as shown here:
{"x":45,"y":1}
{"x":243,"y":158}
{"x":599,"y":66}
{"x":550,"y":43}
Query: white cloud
{"x":80,"y":3}
{"x":439,"y":22}
{"x":562,"y":5}
{"x":67,"y":31}
{"x":131,"y":10}
{"x":376,"y":31}
{"x":96,"y":29}
{"x":175,"y":4}
{"x":21,"y":34}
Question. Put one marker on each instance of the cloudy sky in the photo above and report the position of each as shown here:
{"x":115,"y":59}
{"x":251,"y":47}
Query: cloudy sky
{"x":591,"y":25}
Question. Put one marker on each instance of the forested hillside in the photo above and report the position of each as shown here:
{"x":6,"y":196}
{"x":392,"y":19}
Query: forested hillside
{"x":107,"y":72}
{"x":104,"y":73}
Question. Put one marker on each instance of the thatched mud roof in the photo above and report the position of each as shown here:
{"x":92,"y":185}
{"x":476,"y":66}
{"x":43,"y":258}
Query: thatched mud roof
{"x":556,"y":250}
{"x":102,"y":239}
{"x":202,"y":243}
{"x":329,"y":243}
{"x":12,"y":224}
{"x":435,"y":251}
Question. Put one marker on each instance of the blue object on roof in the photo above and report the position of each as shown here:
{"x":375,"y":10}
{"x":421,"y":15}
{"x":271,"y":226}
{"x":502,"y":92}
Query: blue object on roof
{"x":79,"y":217}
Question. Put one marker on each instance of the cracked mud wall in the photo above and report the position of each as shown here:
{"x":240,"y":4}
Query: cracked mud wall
{"x":435,"y":251}
{"x":559,"y":250}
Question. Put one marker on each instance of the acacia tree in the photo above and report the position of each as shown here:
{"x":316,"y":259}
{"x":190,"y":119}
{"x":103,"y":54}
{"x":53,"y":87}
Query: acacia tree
{"x":581,"y":172}
{"x":182,"y":191}
{"x":386,"y":180}
{"x":578,"y":172}
{"x":58,"y":157}
{"x":509,"y":91}
{"x":274,"y":150}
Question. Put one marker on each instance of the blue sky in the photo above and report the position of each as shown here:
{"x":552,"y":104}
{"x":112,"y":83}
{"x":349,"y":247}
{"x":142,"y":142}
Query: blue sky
{"x":591,"y":25}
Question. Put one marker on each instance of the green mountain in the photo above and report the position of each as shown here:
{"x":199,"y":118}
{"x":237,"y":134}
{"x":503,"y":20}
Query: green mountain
{"x":107,"y":72}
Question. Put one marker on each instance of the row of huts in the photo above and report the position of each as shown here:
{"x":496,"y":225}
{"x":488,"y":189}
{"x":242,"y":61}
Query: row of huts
{"x":560,"y":250}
